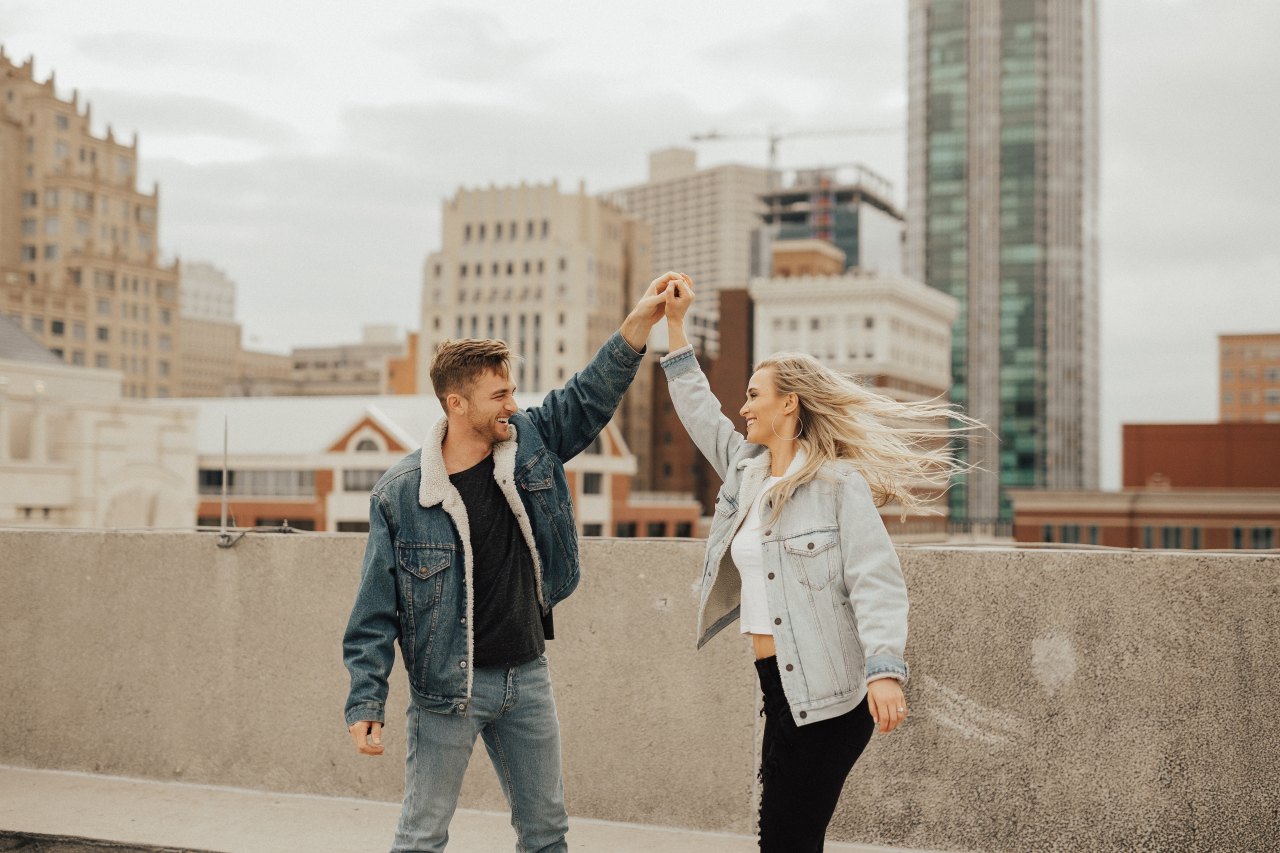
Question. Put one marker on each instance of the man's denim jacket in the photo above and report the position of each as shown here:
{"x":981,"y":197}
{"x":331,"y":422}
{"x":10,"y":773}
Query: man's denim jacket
{"x":416,"y":587}
{"x":835,"y":590}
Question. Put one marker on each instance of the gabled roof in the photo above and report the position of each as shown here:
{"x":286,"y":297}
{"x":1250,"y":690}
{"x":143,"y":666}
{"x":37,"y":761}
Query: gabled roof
{"x":289,"y":426}
{"x":17,"y":345}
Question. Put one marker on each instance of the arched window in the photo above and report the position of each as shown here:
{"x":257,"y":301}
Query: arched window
{"x":367,"y":445}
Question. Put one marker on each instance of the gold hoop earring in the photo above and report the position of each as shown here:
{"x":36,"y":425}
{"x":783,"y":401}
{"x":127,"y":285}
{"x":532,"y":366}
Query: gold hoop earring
{"x":773,"y":425}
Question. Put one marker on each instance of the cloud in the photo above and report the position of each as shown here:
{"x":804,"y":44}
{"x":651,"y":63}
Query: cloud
{"x":134,"y":49}
{"x":466,"y":45}
{"x":178,"y":115}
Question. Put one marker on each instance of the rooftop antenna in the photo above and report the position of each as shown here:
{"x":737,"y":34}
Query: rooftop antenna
{"x":225,"y":539}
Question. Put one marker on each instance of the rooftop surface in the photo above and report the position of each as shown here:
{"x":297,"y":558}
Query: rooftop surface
{"x":164,"y":816}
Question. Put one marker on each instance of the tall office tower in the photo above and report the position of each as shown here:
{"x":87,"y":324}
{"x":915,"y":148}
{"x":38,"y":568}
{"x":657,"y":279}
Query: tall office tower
{"x":1002,"y":174}
{"x":80,"y":264}
{"x":1249,"y":371}
{"x":851,"y":208}
{"x":704,"y":222}
{"x":209,"y":352}
{"x":207,"y":293}
{"x":551,"y":273}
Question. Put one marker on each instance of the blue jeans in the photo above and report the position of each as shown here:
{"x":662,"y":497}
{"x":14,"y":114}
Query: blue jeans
{"x":514,"y":710}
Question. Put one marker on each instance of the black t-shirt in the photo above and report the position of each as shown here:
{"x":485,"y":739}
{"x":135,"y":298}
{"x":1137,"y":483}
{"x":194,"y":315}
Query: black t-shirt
{"x":507,"y":623}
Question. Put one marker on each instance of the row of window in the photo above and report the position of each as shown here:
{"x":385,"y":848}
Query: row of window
{"x":496,"y":268}
{"x":1272,"y":374}
{"x":511,"y":231}
{"x":1169,"y":536}
{"x":1271,"y":396}
{"x":653,"y":529}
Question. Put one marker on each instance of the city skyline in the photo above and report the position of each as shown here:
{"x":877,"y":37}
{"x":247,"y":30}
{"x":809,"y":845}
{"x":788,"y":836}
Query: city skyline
{"x":267,"y":149}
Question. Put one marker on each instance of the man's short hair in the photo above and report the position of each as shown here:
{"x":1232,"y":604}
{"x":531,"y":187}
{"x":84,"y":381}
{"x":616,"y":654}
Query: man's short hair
{"x":456,"y":365}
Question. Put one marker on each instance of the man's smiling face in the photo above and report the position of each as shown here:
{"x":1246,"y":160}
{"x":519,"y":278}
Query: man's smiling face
{"x":488,"y":405}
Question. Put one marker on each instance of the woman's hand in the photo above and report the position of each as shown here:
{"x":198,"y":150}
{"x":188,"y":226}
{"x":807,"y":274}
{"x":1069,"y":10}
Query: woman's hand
{"x":887,"y":704}
{"x":679,"y":298}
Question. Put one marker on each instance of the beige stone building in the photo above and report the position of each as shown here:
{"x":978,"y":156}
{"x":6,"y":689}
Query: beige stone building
{"x":80,"y":264}
{"x":73,"y":453}
{"x":892,"y":332}
{"x":704,"y":222}
{"x":1249,"y":371}
{"x":210,"y":341}
{"x":551,"y":273}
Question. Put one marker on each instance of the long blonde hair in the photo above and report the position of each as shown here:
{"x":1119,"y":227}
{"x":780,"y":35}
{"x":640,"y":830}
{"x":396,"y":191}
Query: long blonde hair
{"x":902,"y":449}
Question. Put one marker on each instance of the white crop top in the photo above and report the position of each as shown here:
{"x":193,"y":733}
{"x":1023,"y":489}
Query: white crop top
{"x":748,"y":556}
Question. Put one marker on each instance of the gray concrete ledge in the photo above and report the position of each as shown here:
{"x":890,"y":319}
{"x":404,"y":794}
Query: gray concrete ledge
{"x":236,"y":820}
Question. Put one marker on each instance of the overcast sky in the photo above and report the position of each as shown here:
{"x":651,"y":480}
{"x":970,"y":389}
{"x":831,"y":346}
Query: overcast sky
{"x":305,"y":147}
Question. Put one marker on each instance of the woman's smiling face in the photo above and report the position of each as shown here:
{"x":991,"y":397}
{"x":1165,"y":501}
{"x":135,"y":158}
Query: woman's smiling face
{"x":765,"y":409}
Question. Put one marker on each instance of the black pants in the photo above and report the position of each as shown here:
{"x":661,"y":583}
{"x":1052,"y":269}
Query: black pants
{"x":803,"y":768}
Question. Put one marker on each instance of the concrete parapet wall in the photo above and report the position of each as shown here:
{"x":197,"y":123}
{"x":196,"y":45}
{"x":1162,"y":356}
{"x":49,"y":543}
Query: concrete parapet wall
{"x":1061,"y":700}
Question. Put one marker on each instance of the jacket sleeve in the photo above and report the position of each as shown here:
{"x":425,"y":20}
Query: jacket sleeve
{"x":873,"y":576}
{"x":569,"y":418}
{"x":699,"y":410}
{"x":368,"y":646}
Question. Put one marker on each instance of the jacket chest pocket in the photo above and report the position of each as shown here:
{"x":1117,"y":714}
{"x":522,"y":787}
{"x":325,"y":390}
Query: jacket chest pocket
{"x":424,"y":562}
{"x":813,"y":557}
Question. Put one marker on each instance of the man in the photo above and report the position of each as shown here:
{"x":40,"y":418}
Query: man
{"x":472,"y":541}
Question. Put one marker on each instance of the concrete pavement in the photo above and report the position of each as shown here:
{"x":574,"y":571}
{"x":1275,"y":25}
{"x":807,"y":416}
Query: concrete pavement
{"x":236,"y":820}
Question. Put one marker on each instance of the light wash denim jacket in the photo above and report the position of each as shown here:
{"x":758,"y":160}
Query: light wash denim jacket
{"x":416,"y":586}
{"x":834,"y":586}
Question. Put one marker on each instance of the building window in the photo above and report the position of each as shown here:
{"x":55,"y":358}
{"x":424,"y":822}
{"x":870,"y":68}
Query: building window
{"x":466,"y":233}
{"x":1196,"y":540}
{"x":77,"y":357}
{"x":1046,"y":533}
{"x":37,"y":325}
{"x":1263,"y":537}
{"x":1171,"y":537}
{"x":57,"y":328}
{"x":103,"y":333}
{"x":30,"y":200}
{"x":587,"y":529}
{"x":30,"y":253}
{"x":626,"y":529}
{"x":353,"y":527}
{"x":1071,"y":534}
{"x":480,"y":231}
{"x":684,"y":529}
{"x":1093,"y":534}
{"x":367,"y":445}
{"x":497,"y":231}
{"x":100,"y":360}
{"x":656,"y":529}
{"x":592,"y":482}
{"x":361,"y":479}
{"x":77,"y":331}
{"x":1148,"y":536}
{"x":546,"y":228}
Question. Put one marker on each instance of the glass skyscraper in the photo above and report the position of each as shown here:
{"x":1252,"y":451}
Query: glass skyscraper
{"x":1002,"y":215}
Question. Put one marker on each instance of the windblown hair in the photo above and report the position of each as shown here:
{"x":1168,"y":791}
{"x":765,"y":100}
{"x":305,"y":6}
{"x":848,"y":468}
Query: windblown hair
{"x":456,"y":365}
{"x":902,"y":449}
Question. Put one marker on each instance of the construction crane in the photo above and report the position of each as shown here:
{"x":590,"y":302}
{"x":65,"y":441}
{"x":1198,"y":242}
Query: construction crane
{"x":774,"y":137}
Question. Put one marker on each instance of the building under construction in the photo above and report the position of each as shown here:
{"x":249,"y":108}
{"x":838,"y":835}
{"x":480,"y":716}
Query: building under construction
{"x":850,"y":207}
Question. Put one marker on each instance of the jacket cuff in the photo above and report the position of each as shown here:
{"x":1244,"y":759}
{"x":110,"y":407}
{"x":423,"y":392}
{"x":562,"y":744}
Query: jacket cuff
{"x":887,"y":666}
{"x":679,"y":361}
{"x":371,"y":711}
{"x":623,"y":351}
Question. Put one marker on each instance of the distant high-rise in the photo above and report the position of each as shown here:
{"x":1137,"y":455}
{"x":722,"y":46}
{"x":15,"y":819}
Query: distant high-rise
{"x":80,"y":265}
{"x":1249,"y":376}
{"x":1002,"y":214}
{"x":851,"y":208}
{"x":551,"y":273}
{"x":704,"y":222}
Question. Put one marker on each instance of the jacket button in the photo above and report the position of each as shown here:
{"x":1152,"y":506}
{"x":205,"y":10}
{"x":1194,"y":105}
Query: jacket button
{"x":770,"y":575}
{"x":463,"y":620}
{"x":790,"y":667}
{"x":462,"y":707}
{"x":804,"y":714}
{"x":810,"y":546}
{"x":768,"y":533}
{"x":777,"y":621}
{"x":462,"y":664}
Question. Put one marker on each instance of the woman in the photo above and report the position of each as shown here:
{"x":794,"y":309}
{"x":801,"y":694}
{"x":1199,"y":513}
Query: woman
{"x":798,"y":552}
